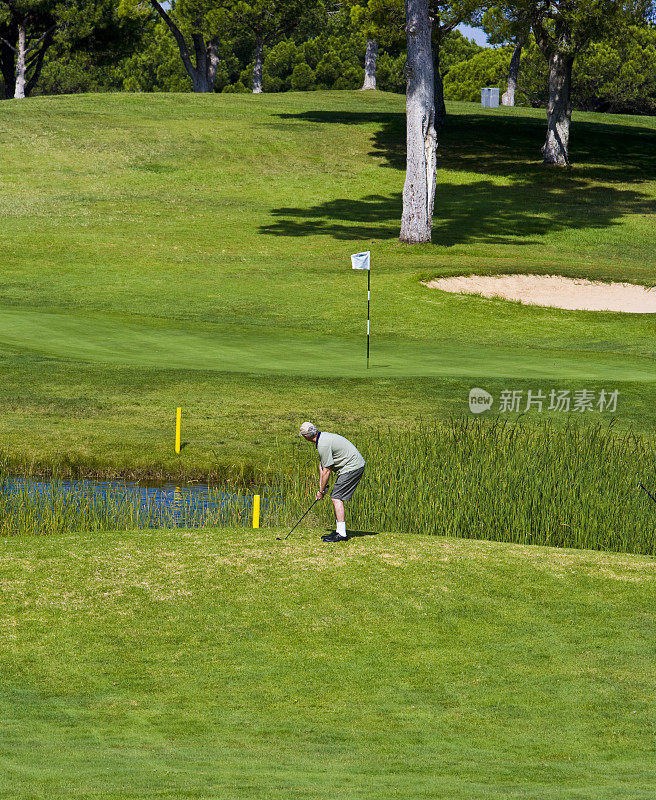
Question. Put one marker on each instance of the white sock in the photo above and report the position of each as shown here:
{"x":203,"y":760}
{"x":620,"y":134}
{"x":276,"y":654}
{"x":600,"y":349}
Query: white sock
{"x":341,"y":529}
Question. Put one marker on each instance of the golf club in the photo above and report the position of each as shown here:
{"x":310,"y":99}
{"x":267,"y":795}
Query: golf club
{"x":649,"y":493}
{"x":282,"y":538}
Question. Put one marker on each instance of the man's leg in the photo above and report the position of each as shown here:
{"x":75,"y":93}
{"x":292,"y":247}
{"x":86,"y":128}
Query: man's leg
{"x":340,"y":516}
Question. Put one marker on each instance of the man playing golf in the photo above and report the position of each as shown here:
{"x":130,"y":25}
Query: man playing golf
{"x":338,"y":455}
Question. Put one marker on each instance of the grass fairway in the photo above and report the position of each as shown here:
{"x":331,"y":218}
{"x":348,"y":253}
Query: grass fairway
{"x":170,"y":250}
{"x":227,"y":665}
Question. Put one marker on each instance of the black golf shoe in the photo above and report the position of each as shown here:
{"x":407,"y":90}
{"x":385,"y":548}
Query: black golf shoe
{"x":333,"y":537}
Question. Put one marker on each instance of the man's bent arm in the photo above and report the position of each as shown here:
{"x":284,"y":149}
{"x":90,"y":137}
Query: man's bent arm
{"x":324,"y":474}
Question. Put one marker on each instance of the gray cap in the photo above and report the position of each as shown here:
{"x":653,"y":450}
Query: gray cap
{"x":308,"y":429}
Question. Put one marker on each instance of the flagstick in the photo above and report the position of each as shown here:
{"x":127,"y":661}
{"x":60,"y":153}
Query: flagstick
{"x":368,"y":304}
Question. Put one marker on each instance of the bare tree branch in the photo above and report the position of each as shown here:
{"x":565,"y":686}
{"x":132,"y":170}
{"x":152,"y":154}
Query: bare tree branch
{"x":50,"y":31}
{"x":39,"y":63}
{"x":177,"y":35}
{"x":10,"y":46}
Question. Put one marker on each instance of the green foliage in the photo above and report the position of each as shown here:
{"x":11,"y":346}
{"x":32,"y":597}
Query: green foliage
{"x":456,"y":49}
{"x":329,"y":62}
{"x":43,"y":21}
{"x":382,"y":20}
{"x":506,"y":22}
{"x":302,"y":78}
{"x":76,"y":72}
{"x":618,"y":74}
{"x":89,"y":56}
{"x":329,"y":69}
{"x":389,"y":72}
{"x":568,"y":27}
{"x":487,"y":68}
{"x":156,"y":66}
{"x":338,"y":62}
{"x":236,"y":88}
{"x":273,"y":21}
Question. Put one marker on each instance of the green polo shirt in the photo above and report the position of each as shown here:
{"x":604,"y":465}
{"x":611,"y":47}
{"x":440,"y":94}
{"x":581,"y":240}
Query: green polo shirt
{"x":338,"y":453}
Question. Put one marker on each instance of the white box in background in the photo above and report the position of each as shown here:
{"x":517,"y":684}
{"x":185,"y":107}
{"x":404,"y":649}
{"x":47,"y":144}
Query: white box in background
{"x":490,"y":97}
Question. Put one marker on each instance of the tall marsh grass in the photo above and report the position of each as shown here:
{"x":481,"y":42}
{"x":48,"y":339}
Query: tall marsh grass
{"x":511,"y":482}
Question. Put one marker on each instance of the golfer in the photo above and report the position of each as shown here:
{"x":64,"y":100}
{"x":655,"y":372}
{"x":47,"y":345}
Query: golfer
{"x":338,"y":455}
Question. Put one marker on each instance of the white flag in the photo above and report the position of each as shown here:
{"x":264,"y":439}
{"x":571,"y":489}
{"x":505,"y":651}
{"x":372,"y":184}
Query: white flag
{"x":360,"y":260}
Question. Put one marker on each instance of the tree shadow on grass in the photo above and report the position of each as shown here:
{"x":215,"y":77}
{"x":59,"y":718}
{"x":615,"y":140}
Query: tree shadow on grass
{"x":510,"y":146}
{"x":536,"y":201}
{"x":482,"y":211}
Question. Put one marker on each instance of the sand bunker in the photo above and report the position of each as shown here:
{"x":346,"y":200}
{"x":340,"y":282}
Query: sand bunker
{"x":555,"y":291}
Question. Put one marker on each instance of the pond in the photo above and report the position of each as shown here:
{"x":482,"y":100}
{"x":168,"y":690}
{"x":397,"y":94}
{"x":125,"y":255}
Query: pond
{"x":117,"y":503}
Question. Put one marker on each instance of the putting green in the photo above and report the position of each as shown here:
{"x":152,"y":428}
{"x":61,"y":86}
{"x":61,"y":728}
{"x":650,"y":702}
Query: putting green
{"x":94,"y":339}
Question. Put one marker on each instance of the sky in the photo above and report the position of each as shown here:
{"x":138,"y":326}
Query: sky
{"x":478,"y":35}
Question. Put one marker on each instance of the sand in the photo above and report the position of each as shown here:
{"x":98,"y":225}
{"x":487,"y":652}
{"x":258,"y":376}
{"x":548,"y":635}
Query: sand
{"x":555,"y":291}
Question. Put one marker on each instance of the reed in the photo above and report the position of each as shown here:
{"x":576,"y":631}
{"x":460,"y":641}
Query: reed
{"x":511,"y":482}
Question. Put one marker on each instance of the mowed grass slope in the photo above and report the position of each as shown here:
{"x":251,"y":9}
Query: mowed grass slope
{"x":173,"y":250}
{"x":228,"y":665}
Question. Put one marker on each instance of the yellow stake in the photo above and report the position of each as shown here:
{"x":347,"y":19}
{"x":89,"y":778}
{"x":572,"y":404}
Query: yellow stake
{"x":178,"y":429}
{"x":256,"y":511}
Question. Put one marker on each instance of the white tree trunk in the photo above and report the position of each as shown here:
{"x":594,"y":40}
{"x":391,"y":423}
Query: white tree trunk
{"x":212,"y":61}
{"x":508,"y":97}
{"x":559,"y":110}
{"x":370,"y":65}
{"x":257,"y":68}
{"x":19,"y":92}
{"x":419,"y":188}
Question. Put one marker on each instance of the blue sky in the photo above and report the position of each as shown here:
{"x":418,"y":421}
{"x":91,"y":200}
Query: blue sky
{"x":476,"y":34}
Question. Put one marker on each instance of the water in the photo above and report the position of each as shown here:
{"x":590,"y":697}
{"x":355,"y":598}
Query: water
{"x":146,"y":506}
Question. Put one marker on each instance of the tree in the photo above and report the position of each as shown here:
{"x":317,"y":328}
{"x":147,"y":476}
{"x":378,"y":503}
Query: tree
{"x":420,"y":179}
{"x":445,"y":16}
{"x":382,"y":22}
{"x":27,"y":29}
{"x":563,"y":29}
{"x":198,"y":21}
{"x":489,"y":67}
{"x":507,"y":25}
{"x":370,"y":58}
{"x":618,"y":74}
{"x":88,"y":51}
{"x":380,"y":18}
{"x":270,"y":21}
